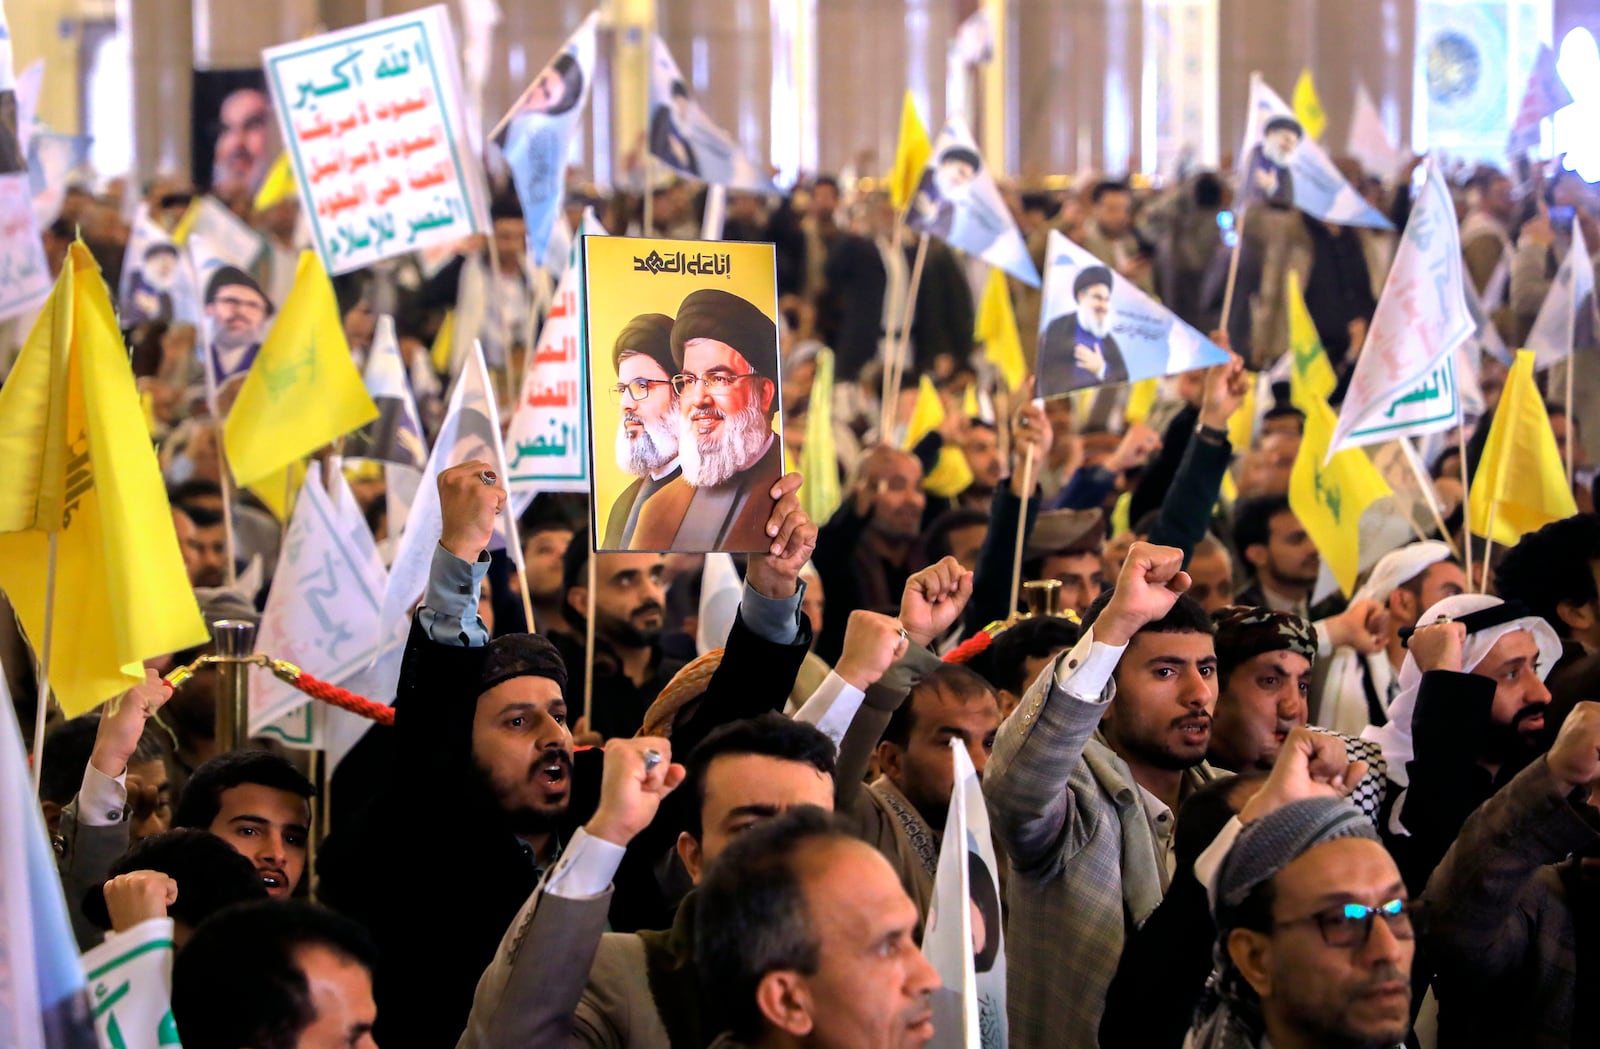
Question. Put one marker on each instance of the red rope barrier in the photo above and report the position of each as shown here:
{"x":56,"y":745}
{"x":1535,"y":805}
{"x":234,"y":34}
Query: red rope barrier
{"x":344,"y":699}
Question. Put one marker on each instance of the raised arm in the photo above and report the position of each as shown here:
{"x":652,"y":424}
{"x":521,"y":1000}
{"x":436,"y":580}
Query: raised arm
{"x":991,"y":583}
{"x":1026,"y":784}
{"x":1186,"y":508}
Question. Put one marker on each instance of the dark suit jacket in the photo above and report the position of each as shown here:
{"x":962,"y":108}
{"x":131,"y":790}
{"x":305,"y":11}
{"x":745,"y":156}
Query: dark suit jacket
{"x":662,"y":517}
{"x":1283,"y":196}
{"x":617,"y":534}
{"x":1059,"y":372}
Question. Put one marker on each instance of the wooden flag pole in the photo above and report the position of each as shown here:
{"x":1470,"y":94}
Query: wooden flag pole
{"x":891,"y":343}
{"x":43,"y":703}
{"x":1022,"y":528}
{"x":1488,"y":549}
{"x":225,"y":474}
{"x":901,"y":346}
{"x":1572,"y":359}
{"x":1408,"y":452}
{"x":514,"y":538}
{"x":1466,"y":504}
{"x":1233,"y":273}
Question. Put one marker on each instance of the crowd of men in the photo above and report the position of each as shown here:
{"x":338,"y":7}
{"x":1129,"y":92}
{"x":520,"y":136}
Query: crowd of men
{"x":1231,"y":808}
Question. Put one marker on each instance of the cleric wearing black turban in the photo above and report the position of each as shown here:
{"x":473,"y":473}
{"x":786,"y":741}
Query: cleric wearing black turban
{"x":726,"y":354}
{"x":1078,"y":348}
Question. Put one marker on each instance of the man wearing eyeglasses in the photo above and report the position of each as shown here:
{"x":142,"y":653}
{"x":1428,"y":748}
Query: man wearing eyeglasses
{"x":726,"y":352}
{"x":236,"y":318}
{"x":1316,"y":933}
{"x":647,"y":432}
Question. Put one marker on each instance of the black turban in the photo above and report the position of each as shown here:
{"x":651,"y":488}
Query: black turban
{"x":649,"y":334}
{"x":1282,"y":123}
{"x":720,"y":315}
{"x":231,"y":276}
{"x":1089,"y":277}
{"x":521,"y":655}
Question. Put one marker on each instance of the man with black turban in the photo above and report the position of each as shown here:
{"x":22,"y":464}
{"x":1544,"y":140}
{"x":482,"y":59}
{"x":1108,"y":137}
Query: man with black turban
{"x":726,"y":353}
{"x":1078,"y":348}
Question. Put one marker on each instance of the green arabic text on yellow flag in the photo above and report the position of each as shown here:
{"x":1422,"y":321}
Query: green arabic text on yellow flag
{"x":1310,"y":374}
{"x":1330,"y":499}
{"x":1521,"y":484}
{"x":303,"y":391}
{"x":79,"y":463}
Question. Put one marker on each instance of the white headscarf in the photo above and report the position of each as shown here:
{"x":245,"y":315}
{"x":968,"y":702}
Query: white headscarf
{"x":1395,"y":737}
{"x":1343,"y":706}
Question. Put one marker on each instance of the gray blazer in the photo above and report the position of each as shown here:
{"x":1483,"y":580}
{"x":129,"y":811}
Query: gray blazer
{"x":84,"y":855}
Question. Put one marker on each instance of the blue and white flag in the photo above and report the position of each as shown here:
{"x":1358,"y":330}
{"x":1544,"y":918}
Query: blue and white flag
{"x":395,"y":436}
{"x":683,"y":136}
{"x":1097,"y":328}
{"x":958,"y":202}
{"x":1405,"y":382}
{"x":43,"y":1004}
{"x":536,"y":134}
{"x":1567,"y":318}
{"x":322,"y":613}
{"x":1281,"y":165}
{"x":964,"y":941}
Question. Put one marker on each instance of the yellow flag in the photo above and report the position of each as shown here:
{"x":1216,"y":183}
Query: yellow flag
{"x":819,"y":455}
{"x":997,"y":330}
{"x":950,"y":476}
{"x":1307,"y":106}
{"x":1141,"y":398}
{"x":180,"y":232}
{"x":1311,"y":377}
{"x":444,"y":343}
{"x":79,"y":462}
{"x":278,"y":186}
{"x":1242,"y":423}
{"x":1521,"y":483}
{"x":1329,"y":500}
{"x":911,"y":155}
{"x":277,"y":490}
{"x":927,"y":414}
{"x":303,"y":390}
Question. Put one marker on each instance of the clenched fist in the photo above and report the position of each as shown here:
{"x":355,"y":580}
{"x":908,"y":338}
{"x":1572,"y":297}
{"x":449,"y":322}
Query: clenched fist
{"x":872,"y":642}
{"x":468,"y":507}
{"x":1148,"y":586}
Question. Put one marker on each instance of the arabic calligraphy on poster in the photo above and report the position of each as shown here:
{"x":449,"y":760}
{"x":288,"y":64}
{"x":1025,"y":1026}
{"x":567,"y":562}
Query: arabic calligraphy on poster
{"x":371,"y":116}
{"x":545,"y":445}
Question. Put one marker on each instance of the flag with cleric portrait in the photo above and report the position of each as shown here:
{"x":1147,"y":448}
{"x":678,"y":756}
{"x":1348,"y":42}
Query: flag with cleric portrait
{"x":1097,"y":328}
{"x":684,"y":138}
{"x":958,"y":202}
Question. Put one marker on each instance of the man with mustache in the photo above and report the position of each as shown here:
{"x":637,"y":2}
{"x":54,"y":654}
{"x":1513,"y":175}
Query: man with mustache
{"x":1082,"y":787}
{"x":483,"y":758}
{"x":647,"y":433}
{"x":1264,"y":661}
{"x":1470,"y":715}
{"x":1078,"y":349}
{"x":726,"y":353}
{"x":261,"y":805}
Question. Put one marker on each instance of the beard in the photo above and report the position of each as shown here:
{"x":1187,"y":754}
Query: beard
{"x":1099,"y":327}
{"x":711,"y":460}
{"x":653,"y":448}
{"x":1277,"y":155}
{"x":624,"y":633}
{"x":1512,"y":744}
{"x":521,"y":817}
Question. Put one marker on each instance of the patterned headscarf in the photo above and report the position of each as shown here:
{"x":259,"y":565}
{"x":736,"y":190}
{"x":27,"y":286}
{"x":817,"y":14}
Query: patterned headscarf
{"x":1246,"y":631}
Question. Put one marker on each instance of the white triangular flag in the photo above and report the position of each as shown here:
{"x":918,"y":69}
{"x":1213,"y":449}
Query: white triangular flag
{"x":1405,"y":381}
{"x":1566,"y":319}
{"x":395,"y":436}
{"x":685,"y":139}
{"x":1369,"y":140}
{"x":958,"y":202}
{"x":720,"y":592}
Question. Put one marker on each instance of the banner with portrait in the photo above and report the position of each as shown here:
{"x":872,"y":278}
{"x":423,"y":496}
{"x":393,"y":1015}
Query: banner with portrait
{"x":958,"y":202}
{"x":680,"y":343}
{"x":1097,"y":328}
{"x":233,"y":137}
{"x":684,"y":137}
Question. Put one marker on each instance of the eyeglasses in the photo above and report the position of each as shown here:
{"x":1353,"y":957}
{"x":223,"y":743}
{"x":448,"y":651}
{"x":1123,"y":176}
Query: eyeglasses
{"x":716,"y":382}
{"x":1350,"y":924}
{"x":639,"y":389}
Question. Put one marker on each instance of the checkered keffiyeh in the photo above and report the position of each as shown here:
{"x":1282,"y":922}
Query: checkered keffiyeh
{"x":1246,"y":631}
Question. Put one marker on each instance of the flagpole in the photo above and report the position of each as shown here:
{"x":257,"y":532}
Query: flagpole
{"x":895,"y":367}
{"x":514,"y":537}
{"x":1488,"y":548}
{"x":225,"y":473}
{"x":1572,"y":359}
{"x":1466,"y":502}
{"x":1233,"y":274}
{"x":1408,"y":452}
{"x":1022,"y":529}
{"x":43,"y":703}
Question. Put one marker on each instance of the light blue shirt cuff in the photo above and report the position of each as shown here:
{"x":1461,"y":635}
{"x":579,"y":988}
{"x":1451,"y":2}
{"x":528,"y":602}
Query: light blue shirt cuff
{"x":449,"y":610}
{"x":586,"y":867}
{"x":772,"y":619}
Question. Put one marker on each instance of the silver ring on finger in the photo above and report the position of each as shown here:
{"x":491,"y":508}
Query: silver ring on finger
{"x":652,"y":758}
{"x":487,"y":478}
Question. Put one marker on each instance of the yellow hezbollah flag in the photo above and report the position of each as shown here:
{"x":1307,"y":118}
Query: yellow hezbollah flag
{"x":927,"y":414}
{"x":951,"y":475}
{"x":278,"y":186}
{"x":819,"y":456}
{"x":277,"y":489}
{"x":1141,"y":398}
{"x":1311,"y":377}
{"x":911,"y":155}
{"x":1242,"y":423}
{"x":1329,"y":500}
{"x":79,"y":463}
{"x":997,"y":329}
{"x":1521,"y":483}
{"x":303,"y":390}
{"x":1307,"y":106}
{"x":444,"y":343}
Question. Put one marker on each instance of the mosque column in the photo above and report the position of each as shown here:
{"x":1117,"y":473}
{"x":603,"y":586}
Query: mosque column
{"x":162,"y":57}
